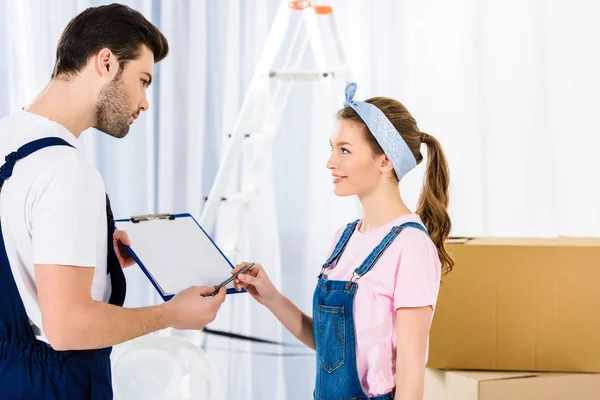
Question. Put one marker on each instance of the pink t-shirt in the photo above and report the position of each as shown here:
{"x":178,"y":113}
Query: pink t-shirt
{"x":406,"y":275}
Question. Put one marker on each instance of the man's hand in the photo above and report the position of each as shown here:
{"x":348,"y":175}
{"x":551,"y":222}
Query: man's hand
{"x":120,"y":240}
{"x":189,"y":309}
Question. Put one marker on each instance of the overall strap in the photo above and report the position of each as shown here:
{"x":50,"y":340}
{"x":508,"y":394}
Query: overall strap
{"x":27,"y":149}
{"x":340,"y":246}
{"x":370,"y":261}
{"x":113,"y":267}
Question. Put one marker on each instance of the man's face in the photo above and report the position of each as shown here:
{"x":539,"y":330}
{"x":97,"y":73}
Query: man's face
{"x":121,"y":100}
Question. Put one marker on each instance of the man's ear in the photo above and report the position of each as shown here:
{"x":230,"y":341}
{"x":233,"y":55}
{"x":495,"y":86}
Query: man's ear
{"x":385,"y":164}
{"x":106,"y":63}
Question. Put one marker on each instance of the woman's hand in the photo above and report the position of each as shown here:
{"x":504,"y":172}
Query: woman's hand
{"x":256,"y":282}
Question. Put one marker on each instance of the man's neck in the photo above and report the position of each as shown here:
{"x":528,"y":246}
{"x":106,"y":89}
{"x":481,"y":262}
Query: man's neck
{"x":64,"y":102}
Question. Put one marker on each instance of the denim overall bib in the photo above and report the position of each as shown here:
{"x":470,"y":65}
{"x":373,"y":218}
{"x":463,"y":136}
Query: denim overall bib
{"x":334,"y":326}
{"x":30,"y":369}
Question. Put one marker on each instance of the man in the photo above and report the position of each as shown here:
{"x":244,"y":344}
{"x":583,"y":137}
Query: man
{"x":61,"y":281}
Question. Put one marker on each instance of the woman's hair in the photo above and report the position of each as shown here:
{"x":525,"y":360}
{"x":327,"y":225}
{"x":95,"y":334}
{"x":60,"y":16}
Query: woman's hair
{"x":434,"y":199}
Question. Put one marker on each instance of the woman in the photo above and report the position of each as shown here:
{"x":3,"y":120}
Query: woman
{"x":376,"y":294}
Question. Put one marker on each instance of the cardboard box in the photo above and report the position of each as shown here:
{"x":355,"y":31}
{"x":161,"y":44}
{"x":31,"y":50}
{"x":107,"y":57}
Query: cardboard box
{"x":463,"y":385}
{"x":519,"y":305}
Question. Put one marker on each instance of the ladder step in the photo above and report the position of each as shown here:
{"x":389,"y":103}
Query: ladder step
{"x":258,"y":135}
{"x":240,"y":197}
{"x":291,"y":74}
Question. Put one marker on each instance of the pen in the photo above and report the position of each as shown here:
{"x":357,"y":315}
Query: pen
{"x":231,"y":278}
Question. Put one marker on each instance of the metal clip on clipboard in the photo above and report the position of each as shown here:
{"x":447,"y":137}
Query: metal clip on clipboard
{"x":150,"y":217}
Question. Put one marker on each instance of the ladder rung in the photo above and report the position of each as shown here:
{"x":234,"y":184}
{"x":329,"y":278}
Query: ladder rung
{"x":246,"y":135}
{"x":258,"y":135}
{"x":240,"y":197}
{"x":262,"y":136}
{"x":290,"y":74}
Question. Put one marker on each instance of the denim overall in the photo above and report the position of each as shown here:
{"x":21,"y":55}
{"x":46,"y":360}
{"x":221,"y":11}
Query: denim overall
{"x":334,"y":326}
{"x":30,"y":369}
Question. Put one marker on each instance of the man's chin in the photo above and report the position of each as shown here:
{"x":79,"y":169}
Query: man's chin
{"x":116,"y":133}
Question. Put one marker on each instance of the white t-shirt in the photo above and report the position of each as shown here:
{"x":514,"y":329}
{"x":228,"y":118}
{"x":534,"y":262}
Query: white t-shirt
{"x":52,"y":209}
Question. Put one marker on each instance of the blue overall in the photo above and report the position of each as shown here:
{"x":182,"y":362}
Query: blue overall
{"x":29,"y":368}
{"x":334,"y":326}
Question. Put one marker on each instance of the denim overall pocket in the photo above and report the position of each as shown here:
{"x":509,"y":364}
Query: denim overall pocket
{"x":332,"y":336}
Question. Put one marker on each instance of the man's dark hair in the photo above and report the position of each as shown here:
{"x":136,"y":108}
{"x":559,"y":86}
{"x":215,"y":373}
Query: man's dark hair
{"x":114,"y":26}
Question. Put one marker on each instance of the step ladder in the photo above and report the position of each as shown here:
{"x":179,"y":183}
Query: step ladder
{"x":237,"y":183}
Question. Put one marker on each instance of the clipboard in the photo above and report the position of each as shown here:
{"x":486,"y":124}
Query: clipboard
{"x":175,"y":252}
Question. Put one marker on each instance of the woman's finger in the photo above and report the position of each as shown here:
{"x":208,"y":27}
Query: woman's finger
{"x":239,"y":267}
{"x":249,"y":279}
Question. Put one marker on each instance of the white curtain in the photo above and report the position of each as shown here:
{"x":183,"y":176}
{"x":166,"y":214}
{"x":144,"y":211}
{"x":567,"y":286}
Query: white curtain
{"x":509,"y":88}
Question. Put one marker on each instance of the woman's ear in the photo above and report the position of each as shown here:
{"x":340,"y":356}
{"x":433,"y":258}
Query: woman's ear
{"x":385,"y":164}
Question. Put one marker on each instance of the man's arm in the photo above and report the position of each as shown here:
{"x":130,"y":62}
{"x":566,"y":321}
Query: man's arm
{"x":73,"y":321}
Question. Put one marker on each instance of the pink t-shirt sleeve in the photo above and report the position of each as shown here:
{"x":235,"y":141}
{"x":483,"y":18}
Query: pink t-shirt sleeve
{"x":418,"y":270}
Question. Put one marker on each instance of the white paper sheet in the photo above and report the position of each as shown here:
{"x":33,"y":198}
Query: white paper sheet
{"x":177,"y":253}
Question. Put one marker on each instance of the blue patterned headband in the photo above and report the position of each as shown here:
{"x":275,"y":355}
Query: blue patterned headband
{"x":394,"y":147}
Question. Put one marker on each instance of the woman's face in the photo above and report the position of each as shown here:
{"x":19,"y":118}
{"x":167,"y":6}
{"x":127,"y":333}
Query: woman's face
{"x":355,"y":169}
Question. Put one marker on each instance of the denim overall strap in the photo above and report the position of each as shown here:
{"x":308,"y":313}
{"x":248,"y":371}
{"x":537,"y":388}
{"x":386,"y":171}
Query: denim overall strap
{"x":32,"y":369}
{"x":341,"y":244}
{"x":384,"y":244}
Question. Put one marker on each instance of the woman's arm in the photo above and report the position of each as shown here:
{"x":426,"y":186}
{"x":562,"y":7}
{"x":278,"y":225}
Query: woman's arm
{"x":412,"y":331}
{"x":295,"y":321}
{"x":259,"y":286}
